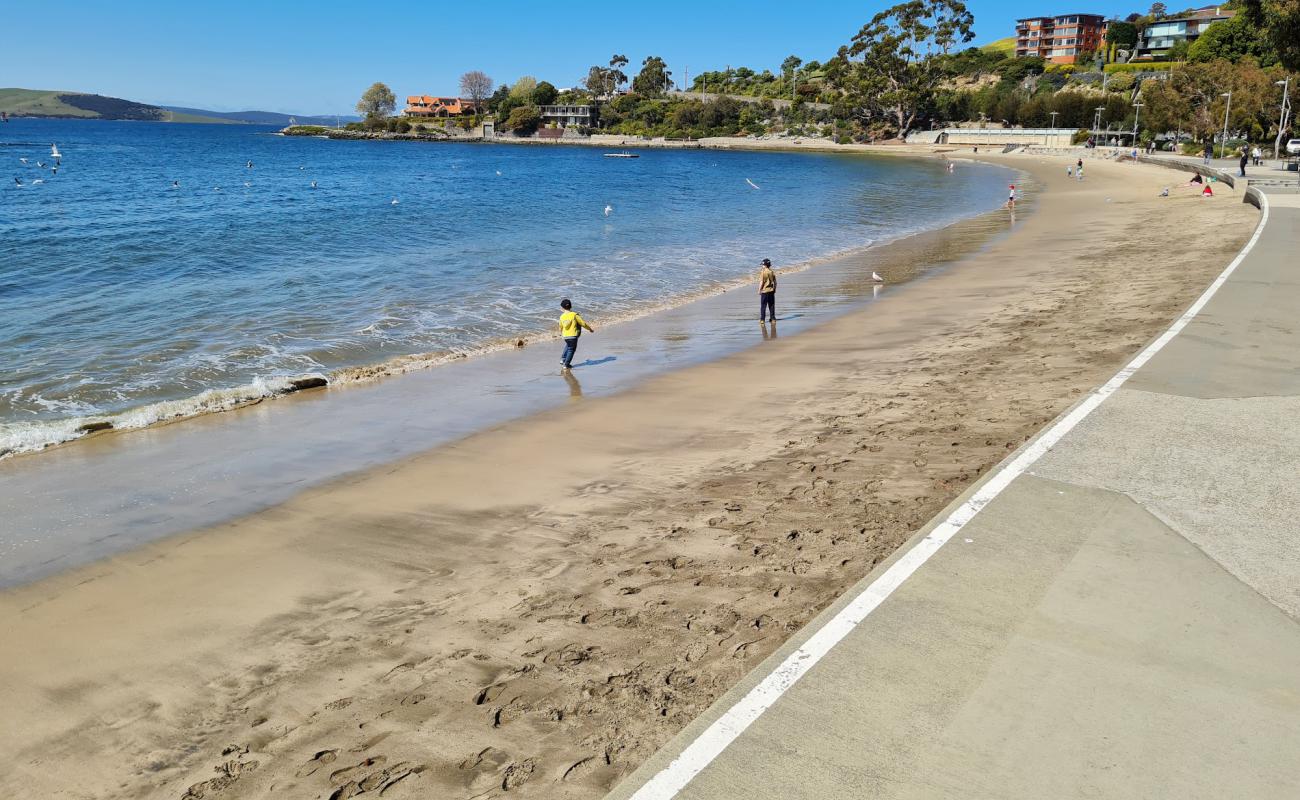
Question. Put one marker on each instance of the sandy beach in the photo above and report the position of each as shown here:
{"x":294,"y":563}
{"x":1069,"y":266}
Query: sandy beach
{"x":532,"y":610}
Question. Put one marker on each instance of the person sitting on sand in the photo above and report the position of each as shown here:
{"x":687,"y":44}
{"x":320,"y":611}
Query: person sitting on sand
{"x":571,"y":326}
{"x":766,"y":292}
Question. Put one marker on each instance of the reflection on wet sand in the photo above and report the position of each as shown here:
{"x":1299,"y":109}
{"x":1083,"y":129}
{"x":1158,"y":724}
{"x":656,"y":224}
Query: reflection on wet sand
{"x":575,"y":388}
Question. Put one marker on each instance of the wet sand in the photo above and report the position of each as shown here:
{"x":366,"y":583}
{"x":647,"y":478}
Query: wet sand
{"x":532,"y":610}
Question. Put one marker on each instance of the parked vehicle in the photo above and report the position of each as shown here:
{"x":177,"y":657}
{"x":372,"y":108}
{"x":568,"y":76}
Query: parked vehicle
{"x":1293,"y":147}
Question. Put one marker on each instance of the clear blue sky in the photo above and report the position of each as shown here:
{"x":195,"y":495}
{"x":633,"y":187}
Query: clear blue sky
{"x":315,"y":58}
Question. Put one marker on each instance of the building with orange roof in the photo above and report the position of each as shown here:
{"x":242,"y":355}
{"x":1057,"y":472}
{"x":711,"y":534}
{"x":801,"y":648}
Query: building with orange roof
{"x":423,"y":105}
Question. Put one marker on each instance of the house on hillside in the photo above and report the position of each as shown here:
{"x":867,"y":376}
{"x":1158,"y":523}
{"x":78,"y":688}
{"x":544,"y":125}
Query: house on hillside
{"x":1060,"y":39}
{"x":569,"y":116}
{"x":1156,"y":38}
{"x":423,"y":105}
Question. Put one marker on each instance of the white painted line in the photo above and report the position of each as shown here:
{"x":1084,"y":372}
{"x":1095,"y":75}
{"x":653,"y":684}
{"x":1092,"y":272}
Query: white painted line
{"x":727,"y":728}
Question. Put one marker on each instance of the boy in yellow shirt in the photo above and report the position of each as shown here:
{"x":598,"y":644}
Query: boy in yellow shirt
{"x":571,"y":326}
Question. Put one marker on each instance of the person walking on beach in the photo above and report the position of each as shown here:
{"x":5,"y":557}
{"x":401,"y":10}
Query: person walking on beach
{"x":766,"y":292}
{"x":571,"y":326}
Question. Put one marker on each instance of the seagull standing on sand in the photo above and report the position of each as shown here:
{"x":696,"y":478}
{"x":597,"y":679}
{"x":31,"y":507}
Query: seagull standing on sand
{"x":875,"y":276}
{"x":609,"y":210}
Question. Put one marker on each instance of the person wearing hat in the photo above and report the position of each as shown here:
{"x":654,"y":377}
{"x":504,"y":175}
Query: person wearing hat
{"x":571,"y":326}
{"x":766,"y":292}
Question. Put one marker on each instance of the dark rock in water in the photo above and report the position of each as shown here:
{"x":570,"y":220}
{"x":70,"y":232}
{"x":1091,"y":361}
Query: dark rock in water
{"x":310,"y":382}
{"x":4,"y":451}
{"x":92,"y":427}
{"x":520,"y":343}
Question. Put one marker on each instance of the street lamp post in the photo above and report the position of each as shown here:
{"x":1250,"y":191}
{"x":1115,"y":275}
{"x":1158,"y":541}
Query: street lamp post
{"x":1226,"y":110}
{"x":1136,"y":113}
{"x":1286,"y":112}
{"x":1096,"y":120}
{"x":1054,"y":116}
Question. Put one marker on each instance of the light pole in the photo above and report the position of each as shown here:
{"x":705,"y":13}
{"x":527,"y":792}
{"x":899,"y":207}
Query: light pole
{"x":1228,"y":108}
{"x":1096,"y":119}
{"x":1137,"y":112}
{"x":1054,"y":115}
{"x":1286,"y":112}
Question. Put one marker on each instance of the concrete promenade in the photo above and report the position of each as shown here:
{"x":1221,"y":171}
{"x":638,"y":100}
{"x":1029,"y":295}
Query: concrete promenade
{"x":1114,"y":613}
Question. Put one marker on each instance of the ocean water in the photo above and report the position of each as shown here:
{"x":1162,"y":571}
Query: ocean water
{"x":123,"y":297}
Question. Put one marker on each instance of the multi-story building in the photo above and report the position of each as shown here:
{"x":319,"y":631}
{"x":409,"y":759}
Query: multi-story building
{"x":565,"y":116}
{"x":1156,"y":38}
{"x":1061,"y":39}
{"x":423,"y":105}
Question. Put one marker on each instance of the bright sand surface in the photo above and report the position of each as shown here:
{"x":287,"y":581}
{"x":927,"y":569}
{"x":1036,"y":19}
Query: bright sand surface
{"x":532,"y":610}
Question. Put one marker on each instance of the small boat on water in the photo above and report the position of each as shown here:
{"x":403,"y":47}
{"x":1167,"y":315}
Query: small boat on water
{"x":624,"y":154}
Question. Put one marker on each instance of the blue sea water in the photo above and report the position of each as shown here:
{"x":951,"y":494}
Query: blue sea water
{"x":126,"y":297}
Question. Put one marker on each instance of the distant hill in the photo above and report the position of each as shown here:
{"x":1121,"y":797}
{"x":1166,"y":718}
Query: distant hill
{"x":79,"y":105}
{"x":261,"y":117}
{"x":54,"y":103}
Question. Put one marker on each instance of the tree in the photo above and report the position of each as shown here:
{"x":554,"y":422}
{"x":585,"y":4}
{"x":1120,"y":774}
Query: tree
{"x":598,"y":81}
{"x":522,"y":91}
{"x":524,"y":121}
{"x":1231,"y":39}
{"x":617,"y":77}
{"x":545,"y":94}
{"x":476,"y":86}
{"x":654,"y":78}
{"x":377,"y":102}
{"x":894,"y":64}
{"x":791,"y":64}
{"x":1120,"y":36}
{"x":1281,"y":25}
{"x":1157,"y":11}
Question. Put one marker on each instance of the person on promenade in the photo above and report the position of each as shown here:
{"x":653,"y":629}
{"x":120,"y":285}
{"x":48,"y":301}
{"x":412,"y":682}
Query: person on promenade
{"x":1257,"y":156}
{"x":571,"y":326}
{"x":1243,"y":161}
{"x":766,"y":292}
{"x":1209,"y":153}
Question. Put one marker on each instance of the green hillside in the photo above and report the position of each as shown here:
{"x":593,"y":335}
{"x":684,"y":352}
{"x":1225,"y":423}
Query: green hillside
{"x":1007,"y":45}
{"x":79,"y":105}
{"x":37,"y":103}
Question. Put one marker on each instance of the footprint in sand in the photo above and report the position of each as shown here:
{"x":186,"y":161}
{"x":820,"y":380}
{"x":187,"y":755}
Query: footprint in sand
{"x":371,"y":775}
{"x":317,"y":761}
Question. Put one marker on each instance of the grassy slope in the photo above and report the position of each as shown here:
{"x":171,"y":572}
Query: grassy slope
{"x":43,"y":103}
{"x":39,"y":103}
{"x":1007,"y":45}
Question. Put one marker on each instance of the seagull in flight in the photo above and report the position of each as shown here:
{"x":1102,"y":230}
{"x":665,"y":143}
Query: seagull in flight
{"x":24,"y":160}
{"x":609,"y":210}
{"x":751,"y":183}
{"x":394,"y":202}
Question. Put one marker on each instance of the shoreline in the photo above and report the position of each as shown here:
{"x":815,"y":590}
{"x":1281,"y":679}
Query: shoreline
{"x":479,"y":618}
{"x":62,"y":432}
{"x":112,"y":485}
